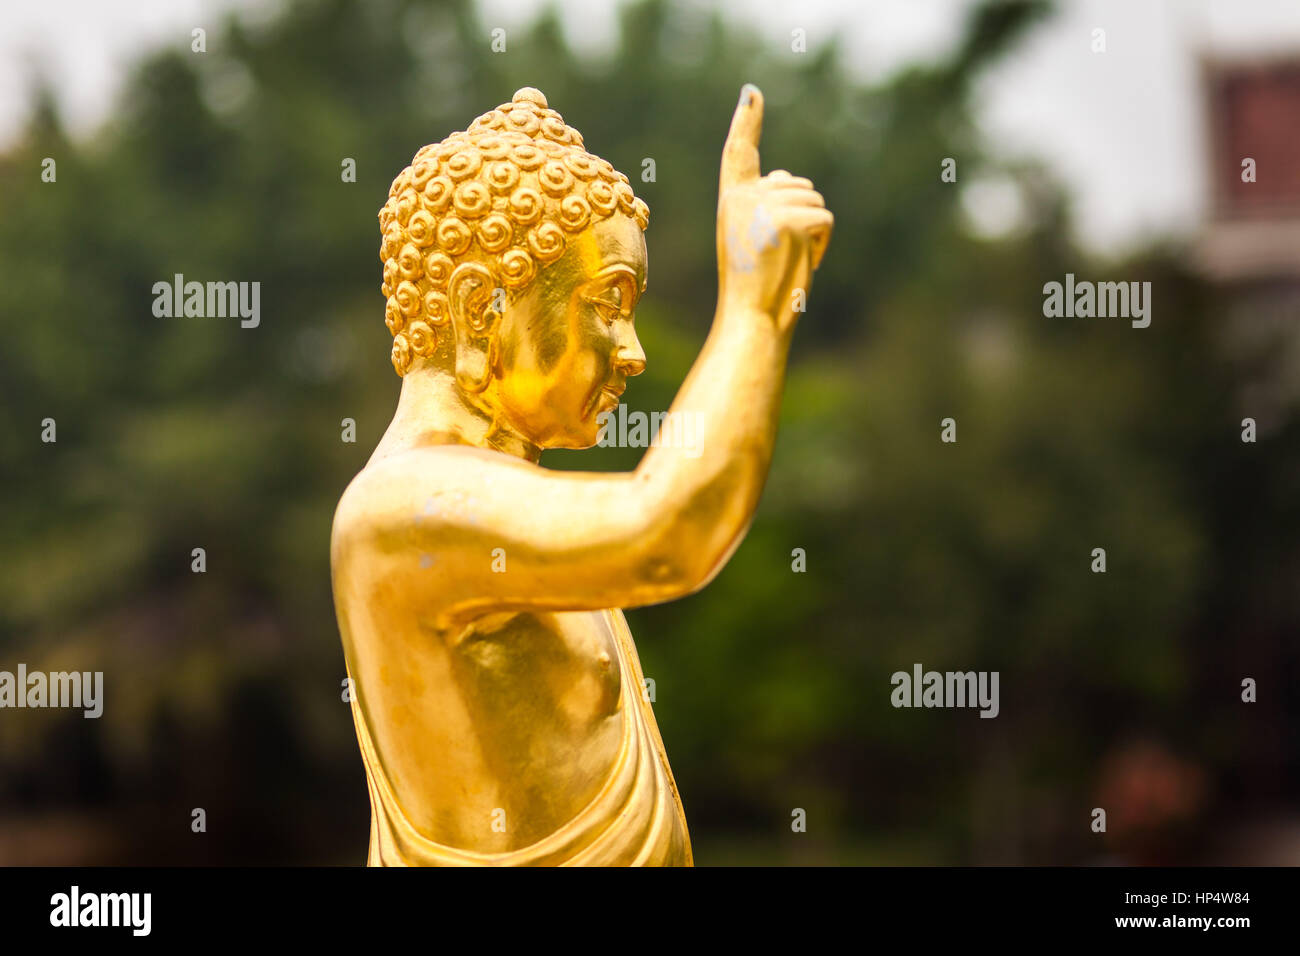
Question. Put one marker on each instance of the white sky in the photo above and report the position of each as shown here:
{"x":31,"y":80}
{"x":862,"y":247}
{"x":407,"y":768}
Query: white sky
{"x":1122,"y":128}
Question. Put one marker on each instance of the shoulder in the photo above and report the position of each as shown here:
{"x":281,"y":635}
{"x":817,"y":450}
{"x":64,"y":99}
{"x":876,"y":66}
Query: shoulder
{"x":403,"y":486}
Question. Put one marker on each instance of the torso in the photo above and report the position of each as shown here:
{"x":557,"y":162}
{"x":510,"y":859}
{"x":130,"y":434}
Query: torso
{"x":493,"y":737}
{"x":512,"y":727}
{"x":494,"y":732}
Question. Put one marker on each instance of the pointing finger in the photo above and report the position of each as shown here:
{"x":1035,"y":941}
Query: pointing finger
{"x":740,"y":153}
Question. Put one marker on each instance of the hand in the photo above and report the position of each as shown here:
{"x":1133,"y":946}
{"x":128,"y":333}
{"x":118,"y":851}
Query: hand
{"x":772,"y":230}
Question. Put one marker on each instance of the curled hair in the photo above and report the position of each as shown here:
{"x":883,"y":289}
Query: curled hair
{"x":508,"y":192}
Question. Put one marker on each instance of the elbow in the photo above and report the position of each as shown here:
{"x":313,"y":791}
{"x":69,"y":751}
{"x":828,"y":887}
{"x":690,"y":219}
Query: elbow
{"x":671,"y":573}
{"x":698,"y":526}
{"x":690,"y":548}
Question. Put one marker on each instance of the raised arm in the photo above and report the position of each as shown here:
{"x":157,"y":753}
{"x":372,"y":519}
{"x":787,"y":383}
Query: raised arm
{"x":581,"y":541}
{"x":772,"y":233}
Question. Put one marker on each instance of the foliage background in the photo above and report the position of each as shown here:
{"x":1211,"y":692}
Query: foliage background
{"x":223,"y":689}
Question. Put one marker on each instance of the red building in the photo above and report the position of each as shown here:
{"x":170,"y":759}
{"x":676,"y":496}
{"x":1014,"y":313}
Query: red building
{"x":1250,"y":245}
{"x":1253,"y":113}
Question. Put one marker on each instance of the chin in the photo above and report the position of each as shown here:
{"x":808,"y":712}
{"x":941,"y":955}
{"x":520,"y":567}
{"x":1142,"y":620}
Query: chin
{"x":579,"y":442}
{"x":575,"y":440}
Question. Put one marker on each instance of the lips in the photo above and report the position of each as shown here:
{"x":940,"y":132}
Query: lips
{"x":607,"y":399}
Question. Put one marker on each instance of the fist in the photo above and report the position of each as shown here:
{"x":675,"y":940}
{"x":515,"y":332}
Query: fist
{"x":772,"y":230}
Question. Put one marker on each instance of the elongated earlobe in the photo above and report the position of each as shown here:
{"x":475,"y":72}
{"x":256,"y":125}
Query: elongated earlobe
{"x":470,"y":295}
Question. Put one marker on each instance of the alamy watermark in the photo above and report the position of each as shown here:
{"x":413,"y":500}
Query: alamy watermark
{"x":1085,"y":300}
{"x":75,"y":908}
{"x":82,"y":689}
{"x":620,"y":428}
{"x":948,"y":689}
{"x":218,"y":300}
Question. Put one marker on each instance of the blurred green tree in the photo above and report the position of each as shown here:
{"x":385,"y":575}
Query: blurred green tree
{"x":772,"y":685}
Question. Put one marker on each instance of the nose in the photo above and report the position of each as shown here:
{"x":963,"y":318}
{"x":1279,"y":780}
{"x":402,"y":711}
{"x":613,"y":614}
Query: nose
{"x":628,"y":357}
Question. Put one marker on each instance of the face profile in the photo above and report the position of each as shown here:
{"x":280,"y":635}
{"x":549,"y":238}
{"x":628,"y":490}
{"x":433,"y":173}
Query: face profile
{"x":568,"y":346}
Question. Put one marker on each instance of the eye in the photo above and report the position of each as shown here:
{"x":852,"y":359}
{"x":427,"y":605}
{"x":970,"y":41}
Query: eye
{"x":609,"y":303}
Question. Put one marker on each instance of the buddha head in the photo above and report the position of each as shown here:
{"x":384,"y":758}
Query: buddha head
{"x":513,"y":261}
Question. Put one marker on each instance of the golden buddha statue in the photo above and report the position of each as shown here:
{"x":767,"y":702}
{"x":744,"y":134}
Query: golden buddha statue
{"x":498,"y":698}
